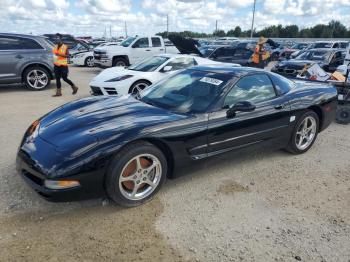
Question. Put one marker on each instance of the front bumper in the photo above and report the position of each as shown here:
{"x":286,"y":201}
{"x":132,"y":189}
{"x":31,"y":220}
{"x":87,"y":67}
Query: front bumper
{"x":102,"y":62}
{"x":77,"y":61}
{"x":91,"y":183}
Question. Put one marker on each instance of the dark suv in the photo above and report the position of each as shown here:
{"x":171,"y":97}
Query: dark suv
{"x":26,"y":59}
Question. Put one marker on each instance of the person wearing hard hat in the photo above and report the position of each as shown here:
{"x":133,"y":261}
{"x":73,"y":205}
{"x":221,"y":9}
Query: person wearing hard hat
{"x":260,"y":54}
{"x":60,"y":60}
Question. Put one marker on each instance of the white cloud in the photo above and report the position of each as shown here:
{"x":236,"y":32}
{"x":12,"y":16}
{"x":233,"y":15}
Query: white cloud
{"x":149,"y":16}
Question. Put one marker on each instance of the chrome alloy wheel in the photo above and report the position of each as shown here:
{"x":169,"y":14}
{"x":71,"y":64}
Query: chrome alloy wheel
{"x":90,"y":62}
{"x":140,"y":177}
{"x":37,"y":79}
{"x":138,"y":88}
{"x":306,"y":133}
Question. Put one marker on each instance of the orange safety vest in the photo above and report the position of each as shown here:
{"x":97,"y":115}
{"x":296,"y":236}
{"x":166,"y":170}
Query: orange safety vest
{"x":255,"y":57}
{"x":59,"y":60}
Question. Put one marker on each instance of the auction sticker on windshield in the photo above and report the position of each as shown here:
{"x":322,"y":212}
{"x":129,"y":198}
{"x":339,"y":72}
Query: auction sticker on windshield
{"x":212,"y":81}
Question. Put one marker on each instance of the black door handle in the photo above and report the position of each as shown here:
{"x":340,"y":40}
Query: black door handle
{"x":18,"y":56}
{"x":148,"y":50}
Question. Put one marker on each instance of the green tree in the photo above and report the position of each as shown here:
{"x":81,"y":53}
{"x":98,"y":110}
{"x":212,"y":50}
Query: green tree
{"x":219,"y":33}
{"x":337,"y":29}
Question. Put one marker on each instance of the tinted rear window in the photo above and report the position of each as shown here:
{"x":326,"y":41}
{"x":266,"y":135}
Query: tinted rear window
{"x":156,"y":42}
{"x":18,"y":43}
{"x":282,"y":84}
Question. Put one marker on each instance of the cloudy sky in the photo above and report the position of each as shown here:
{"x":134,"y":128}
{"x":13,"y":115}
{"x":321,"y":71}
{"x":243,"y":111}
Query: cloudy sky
{"x":91,"y":17}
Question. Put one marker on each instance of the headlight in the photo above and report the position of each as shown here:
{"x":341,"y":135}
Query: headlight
{"x":119,"y":78}
{"x":78,"y":55}
{"x":33,"y":127}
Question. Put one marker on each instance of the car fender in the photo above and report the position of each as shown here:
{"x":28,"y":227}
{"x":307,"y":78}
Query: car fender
{"x":47,"y":66}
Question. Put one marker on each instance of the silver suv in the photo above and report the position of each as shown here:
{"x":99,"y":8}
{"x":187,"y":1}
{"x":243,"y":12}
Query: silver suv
{"x":26,"y":59}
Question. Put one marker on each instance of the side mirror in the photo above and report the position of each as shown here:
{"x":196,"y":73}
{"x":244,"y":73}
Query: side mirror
{"x":135,"y":46}
{"x":243,"y":106}
{"x":342,"y":69}
{"x":167,"y":68}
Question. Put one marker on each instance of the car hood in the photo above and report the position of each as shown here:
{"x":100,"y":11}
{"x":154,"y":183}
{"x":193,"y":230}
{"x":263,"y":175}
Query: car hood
{"x":293,"y":63}
{"x":84,"y":52}
{"x":113,"y":49}
{"x":114,"y":72}
{"x":185,"y":45}
{"x":86,"y":122}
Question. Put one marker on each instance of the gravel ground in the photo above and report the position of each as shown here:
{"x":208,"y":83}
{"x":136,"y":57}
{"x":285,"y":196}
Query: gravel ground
{"x":255,"y":206}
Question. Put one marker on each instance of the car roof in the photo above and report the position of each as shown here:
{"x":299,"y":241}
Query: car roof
{"x":22,"y":35}
{"x":332,"y":41}
{"x":326,"y":49}
{"x":174,"y":55}
{"x":229,"y":69}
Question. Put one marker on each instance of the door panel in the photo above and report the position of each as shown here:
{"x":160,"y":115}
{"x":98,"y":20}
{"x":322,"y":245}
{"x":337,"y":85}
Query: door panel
{"x":267,"y":122}
{"x":141,"y":49}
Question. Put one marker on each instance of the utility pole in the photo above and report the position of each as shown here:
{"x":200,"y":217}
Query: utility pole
{"x":126,"y":30}
{"x":167,"y":25}
{"x":216,"y":27}
{"x":110,"y":32}
{"x":252,"y":29}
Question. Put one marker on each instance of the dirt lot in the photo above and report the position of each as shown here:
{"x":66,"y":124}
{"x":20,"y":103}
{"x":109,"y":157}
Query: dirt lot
{"x":258,"y":206}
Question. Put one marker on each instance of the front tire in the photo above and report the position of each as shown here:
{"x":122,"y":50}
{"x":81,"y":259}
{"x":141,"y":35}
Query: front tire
{"x":89,"y":61}
{"x":138,"y":86}
{"x":304,"y":133}
{"x":36,"y":78}
{"x":136,"y":174}
{"x":119,"y":61}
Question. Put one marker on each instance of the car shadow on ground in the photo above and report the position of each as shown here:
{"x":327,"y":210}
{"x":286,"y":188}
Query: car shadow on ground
{"x":20,"y":197}
{"x":6,"y":88}
{"x":225,"y":161}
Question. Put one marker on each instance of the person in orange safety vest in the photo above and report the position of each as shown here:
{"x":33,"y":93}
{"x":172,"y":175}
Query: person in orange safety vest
{"x":260,"y":54}
{"x":60,"y":60}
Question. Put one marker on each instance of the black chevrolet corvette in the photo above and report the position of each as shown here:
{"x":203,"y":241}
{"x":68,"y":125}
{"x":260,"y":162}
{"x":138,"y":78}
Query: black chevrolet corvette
{"x":125,"y":147}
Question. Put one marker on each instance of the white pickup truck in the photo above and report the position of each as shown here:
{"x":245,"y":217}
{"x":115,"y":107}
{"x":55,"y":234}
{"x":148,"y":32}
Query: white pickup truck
{"x":131,"y":50}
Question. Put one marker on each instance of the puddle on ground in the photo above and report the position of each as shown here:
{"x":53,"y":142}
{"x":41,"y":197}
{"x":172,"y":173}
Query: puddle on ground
{"x":230,"y":187}
{"x":101,"y":233}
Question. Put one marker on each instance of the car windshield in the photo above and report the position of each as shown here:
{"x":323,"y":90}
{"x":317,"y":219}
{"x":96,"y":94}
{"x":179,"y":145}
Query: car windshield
{"x":318,"y":55}
{"x":128,"y":41}
{"x":206,"y":51}
{"x":298,"y":46}
{"x":189,"y":91}
{"x":323,"y":45}
{"x":149,"y":64}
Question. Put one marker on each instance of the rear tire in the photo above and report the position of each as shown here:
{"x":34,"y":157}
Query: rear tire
{"x":304,"y":134}
{"x":343,"y":114}
{"x":36,"y":78}
{"x":131,"y":182}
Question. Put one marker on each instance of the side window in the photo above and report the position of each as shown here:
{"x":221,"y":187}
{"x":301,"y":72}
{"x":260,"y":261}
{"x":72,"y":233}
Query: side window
{"x":181,"y":63}
{"x":218,"y":53}
{"x":156,"y":42}
{"x":18,"y":43}
{"x":343,"y":45}
{"x":142,"y":43}
{"x":254,"y":89}
{"x":229,"y":52}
